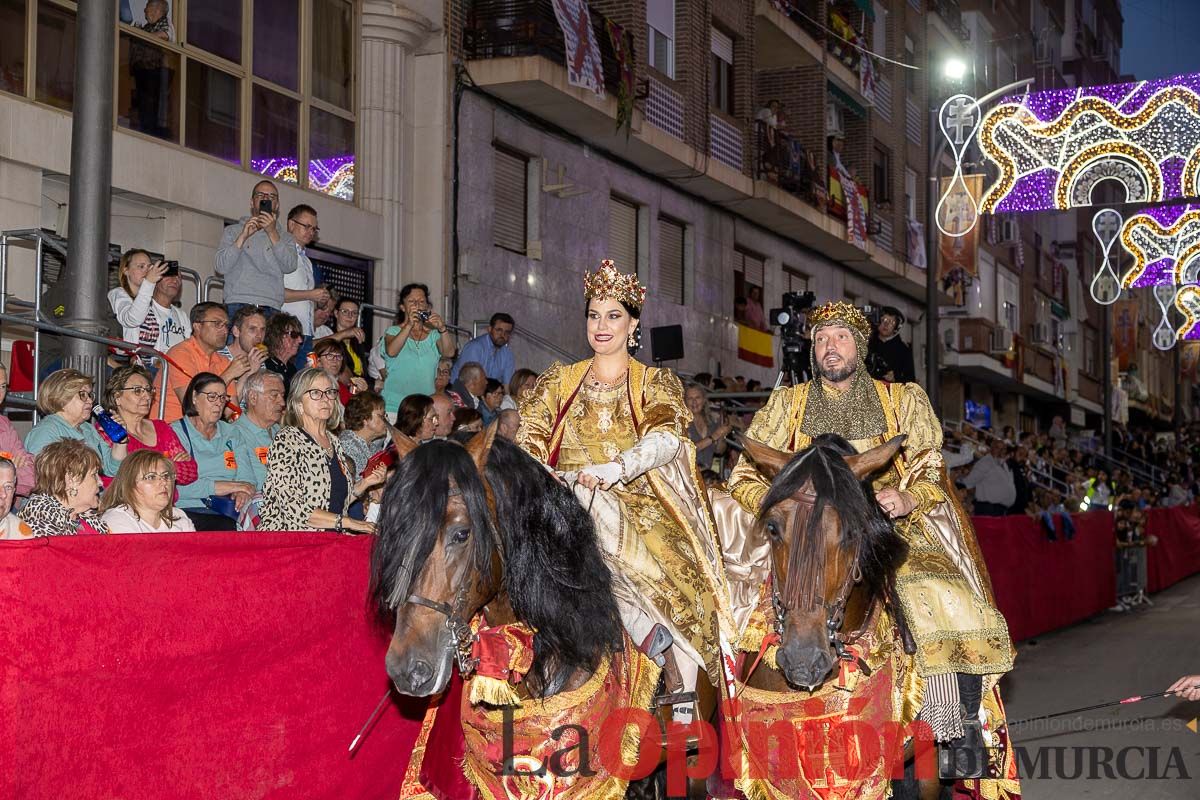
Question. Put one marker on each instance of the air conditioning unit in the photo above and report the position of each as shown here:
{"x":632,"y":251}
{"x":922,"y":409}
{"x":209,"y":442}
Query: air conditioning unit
{"x":1010,"y":232}
{"x":1002,"y":340}
{"x":1063,"y":251}
{"x":1041,"y":333}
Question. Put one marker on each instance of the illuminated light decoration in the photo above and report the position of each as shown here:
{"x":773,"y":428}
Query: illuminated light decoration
{"x":332,"y":176}
{"x":1187,"y":300}
{"x":1164,"y":334}
{"x":1105,"y":288}
{"x":1053,"y":148}
{"x":956,"y":213}
{"x":1165,"y":244}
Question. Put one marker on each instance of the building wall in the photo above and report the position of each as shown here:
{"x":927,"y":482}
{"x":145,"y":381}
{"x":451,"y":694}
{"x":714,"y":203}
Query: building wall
{"x":546,"y":294}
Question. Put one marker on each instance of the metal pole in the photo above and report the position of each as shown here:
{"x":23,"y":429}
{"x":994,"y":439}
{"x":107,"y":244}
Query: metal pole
{"x":91,"y":177}
{"x":1107,"y":394}
{"x":1177,"y":368}
{"x":932,"y":343}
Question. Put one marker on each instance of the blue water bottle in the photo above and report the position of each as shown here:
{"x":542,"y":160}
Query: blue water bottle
{"x":114,"y":430}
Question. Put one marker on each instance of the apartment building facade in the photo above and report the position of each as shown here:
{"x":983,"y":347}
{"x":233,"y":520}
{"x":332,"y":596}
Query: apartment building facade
{"x":710,"y":191}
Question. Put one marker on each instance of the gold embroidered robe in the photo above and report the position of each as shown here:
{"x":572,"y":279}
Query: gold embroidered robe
{"x":656,"y":530}
{"x":944,"y":588}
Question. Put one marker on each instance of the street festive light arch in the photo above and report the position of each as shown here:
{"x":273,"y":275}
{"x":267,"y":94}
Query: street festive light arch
{"x":1052,"y":149}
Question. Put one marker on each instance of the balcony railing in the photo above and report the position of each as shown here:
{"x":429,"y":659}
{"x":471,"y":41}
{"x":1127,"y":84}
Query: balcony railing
{"x":506,"y":28}
{"x":951,"y":13}
{"x":781,"y":159}
{"x":805,"y":13}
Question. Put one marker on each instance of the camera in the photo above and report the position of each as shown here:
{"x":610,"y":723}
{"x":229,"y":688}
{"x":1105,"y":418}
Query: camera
{"x":424,"y":315}
{"x":172,"y":269}
{"x":793,"y":336}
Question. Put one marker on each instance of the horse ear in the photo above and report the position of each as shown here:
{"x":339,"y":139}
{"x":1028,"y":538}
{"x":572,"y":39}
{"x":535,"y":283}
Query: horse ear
{"x":769,"y":460}
{"x":404,"y":443}
{"x":875,"y":459}
{"x":481,"y":444}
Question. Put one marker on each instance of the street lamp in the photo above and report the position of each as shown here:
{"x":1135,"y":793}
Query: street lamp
{"x":953,"y":71}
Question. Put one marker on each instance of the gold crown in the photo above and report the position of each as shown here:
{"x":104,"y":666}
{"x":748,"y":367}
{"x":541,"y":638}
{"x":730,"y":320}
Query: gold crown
{"x":839,"y":313}
{"x":608,"y":283}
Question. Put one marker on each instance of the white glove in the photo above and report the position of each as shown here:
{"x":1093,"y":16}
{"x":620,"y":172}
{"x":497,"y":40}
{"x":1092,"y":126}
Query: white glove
{"x":609,"y":474}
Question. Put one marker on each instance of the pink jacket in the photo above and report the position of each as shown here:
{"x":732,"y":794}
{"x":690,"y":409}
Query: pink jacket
{"x":12,"y":448}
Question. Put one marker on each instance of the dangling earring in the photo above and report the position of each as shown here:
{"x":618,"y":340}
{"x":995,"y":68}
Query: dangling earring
{"x":630,"y":341}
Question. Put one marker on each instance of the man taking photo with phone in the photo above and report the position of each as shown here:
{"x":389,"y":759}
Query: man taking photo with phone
{"x":255,"y":253}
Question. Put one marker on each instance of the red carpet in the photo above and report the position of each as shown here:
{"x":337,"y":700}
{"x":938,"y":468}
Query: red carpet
{"x":194,"y":666}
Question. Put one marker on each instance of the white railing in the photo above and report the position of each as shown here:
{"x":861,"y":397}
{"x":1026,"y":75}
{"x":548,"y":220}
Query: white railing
{"x":664,"y":109}
{"x":725,"y":142}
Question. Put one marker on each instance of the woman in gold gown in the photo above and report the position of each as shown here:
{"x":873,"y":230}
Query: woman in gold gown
{"x":615,"y":429}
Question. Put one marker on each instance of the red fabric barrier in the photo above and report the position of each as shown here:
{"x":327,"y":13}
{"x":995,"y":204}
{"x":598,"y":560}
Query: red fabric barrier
{"x":194,"y":666}
{"x":1177,"y":554}
{"x":1041,"y":585}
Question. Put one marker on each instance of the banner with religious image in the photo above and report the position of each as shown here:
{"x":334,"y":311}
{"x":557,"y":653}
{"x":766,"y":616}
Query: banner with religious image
{"x":958,"y":235}
{"x":584,"y":68}
{"x":1124,"y":332}
{"x":916,"y":244}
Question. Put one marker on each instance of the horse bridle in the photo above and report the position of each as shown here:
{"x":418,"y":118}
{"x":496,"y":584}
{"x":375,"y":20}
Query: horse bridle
{"x":459,"y":628}
{"x":835,"y":612}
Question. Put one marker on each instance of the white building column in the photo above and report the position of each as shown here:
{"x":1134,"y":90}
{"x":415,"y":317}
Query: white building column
{"x":392,"y":35}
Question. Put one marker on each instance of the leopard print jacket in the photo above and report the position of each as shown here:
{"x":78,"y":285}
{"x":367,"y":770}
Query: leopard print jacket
{"x":47,"y":516}
{"x":298,"y":481}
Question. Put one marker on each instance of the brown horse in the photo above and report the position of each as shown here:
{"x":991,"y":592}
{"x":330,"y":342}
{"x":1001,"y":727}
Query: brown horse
{"x":834,"y":556}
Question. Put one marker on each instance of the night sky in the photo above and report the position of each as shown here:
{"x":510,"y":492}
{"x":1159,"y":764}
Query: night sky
{"x":1160,"y":38}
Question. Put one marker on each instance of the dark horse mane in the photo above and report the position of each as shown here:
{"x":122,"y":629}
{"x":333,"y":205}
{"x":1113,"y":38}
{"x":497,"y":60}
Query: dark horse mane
{"x":555,"y":576}
{"x":864,"y":525}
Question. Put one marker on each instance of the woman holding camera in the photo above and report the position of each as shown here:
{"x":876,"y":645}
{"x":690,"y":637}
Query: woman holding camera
{"x":412,"y":347}
{"x":144,"y":303}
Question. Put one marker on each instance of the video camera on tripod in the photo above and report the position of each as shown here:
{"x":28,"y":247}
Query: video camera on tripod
{"x":793,"y":332}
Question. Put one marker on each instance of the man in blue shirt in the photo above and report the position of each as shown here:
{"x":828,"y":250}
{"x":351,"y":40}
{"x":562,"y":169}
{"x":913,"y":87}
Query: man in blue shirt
{"x":490,"y":350}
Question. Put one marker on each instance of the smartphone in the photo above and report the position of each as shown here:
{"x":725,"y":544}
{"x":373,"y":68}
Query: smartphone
{"x":172,"y":269}
{"x":264,"y":206}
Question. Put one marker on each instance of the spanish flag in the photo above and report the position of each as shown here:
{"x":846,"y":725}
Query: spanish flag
{"x":755,"y":346}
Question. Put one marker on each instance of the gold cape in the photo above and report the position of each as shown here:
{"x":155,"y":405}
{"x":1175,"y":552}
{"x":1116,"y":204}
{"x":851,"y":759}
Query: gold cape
{"x":656,"y":530}
{"x":944,"y":588}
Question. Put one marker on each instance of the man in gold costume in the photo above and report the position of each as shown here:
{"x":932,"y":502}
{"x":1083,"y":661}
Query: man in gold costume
{"x":615,"y":429}
{"x":962,"y":641}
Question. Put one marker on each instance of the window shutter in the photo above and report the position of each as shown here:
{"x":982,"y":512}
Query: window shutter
{"x":722,"y":46}
{"x":670,"y":261}
{"x":509,"y":201}
{"x":752,"y":268}
{"x":796,"y":281}
{"x":622,"y":234}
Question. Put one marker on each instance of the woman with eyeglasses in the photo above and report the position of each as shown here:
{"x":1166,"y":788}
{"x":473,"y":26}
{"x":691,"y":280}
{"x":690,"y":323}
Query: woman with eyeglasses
{"x":331,"y":357}
{"x":129,"y":397}
{"x":350,"y":336}
{"x":65,"y":400}
{"x":222,"y":458}
{"x":310,"y":485}
{"x":283,"y":342}
{"x":417,"y":417}
{"x":11,"y":526}
{"x":141,"y":498}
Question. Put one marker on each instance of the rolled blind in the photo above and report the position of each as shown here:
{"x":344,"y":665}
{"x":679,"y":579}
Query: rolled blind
{"x":670,"y":261}
{"x":509,"y":201}
{"x":751,"y":266}
{"x":722,"y":46}
{"x":622,"y":234}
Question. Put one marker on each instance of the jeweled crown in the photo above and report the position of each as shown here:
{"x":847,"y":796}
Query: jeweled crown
{"x":609,"y":283}
{"x":840,"y":313}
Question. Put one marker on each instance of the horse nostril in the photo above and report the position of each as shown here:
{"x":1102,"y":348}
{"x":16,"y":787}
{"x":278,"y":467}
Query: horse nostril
{"x":419,"y":674}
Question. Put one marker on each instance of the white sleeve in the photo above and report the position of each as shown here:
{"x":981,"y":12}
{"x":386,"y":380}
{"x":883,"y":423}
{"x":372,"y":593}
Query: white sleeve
{"x":651,"y":451}
{"x":131,"y":311}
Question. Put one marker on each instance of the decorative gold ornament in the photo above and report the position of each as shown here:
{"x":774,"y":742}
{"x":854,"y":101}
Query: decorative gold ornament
{"x":609,"y":283}
{"x":839,"y":313}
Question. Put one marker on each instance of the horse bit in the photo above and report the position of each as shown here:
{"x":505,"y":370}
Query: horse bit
{"x":461,"y":636}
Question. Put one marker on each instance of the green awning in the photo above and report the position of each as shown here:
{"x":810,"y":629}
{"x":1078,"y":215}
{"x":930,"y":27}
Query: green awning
{"x":845,"y":100}
{"x":867,"y":7}
{"x":1059,"y":310}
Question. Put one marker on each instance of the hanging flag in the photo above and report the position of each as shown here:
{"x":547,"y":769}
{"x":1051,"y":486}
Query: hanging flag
{"x":584,"y":67}
{"x":916,"y":244}
{"x":958,"y":254}
{"x":755,"y":346}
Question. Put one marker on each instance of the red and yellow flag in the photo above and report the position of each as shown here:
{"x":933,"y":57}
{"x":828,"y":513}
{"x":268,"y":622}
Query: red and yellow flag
{"x":755,"y":346}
